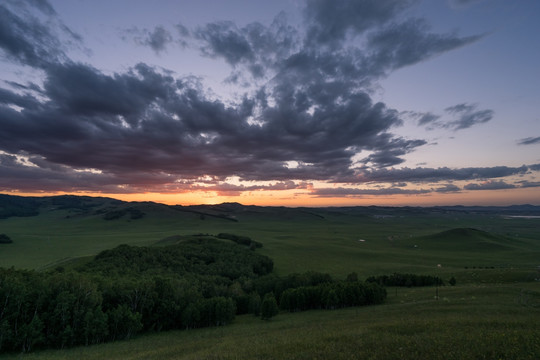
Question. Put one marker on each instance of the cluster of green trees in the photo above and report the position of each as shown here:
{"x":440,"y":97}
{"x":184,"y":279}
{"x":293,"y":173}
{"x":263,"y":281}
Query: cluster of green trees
{"x":196,"y":283}
{"x":407,"y":280}
{"x":4,"y":239}
{"x":64,"y":309}
{"x":242,"y":240}
{"x":202,"y":256}
{"x":332,"y":296}
{"x":310,"y":290}
{"x":133,"y":213}
{"x":73,"y":202}
{"x":124,"y":291}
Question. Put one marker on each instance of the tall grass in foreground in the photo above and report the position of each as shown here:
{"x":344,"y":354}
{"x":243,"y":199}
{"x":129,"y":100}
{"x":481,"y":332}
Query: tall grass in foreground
{"x":467,"y":322}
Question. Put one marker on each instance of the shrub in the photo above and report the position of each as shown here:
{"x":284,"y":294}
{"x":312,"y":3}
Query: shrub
{"x":4,"y":239}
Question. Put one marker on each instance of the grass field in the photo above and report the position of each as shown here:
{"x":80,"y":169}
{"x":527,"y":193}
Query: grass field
{"x":492,"y":313}
{"x":467,"y":322}
{"x":327,"y":240}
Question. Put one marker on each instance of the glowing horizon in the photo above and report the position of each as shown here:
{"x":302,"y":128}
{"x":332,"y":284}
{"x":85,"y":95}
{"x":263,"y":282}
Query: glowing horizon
{"x":294,"y":103}
{"x":486,"y":198}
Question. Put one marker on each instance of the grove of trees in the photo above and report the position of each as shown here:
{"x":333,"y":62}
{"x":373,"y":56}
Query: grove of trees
{"x":4,"y":239}
{"x":127,"y":290}
{"x":406,"y":280}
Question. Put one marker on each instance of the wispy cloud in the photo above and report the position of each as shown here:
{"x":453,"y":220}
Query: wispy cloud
{"x":529,"y":141}
{"x":157,"y":39}
{"x":467,"y":115}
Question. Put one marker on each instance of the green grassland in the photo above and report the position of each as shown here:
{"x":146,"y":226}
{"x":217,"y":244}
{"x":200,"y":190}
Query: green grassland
{"x":298,"y":240}
{"x":492,"y":313}
{"x":467,"y":322}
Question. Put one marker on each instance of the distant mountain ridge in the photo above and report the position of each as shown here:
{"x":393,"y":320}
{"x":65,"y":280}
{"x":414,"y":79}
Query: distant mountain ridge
{"x":12,"y":205}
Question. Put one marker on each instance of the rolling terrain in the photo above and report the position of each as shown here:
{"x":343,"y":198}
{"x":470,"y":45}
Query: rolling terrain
{"x":492,"y":252}
{"x":57,"y":230}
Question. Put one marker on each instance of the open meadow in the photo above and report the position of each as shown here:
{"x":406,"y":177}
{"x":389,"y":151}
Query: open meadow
{"x":491,"y":313}
{"x":467,"y":322}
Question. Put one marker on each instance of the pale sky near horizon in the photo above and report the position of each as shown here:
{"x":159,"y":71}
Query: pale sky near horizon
{"x":289,"y":102}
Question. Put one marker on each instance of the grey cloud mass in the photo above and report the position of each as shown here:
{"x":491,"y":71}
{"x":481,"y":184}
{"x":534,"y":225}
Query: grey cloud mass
{"x":350,"y":192}
{"x":467,"y":115}
{"x":442,"y":174}
{"x":310,"y":103}
{"x":462,"y":116}
{"x":407,"y":43}
{"x":427,"y":118}
{"x":329,"y":22}
{"x":489,"y":185}
{"x":157,"y":39}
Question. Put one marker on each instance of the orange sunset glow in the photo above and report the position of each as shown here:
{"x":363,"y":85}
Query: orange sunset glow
{"x":287,"y":103}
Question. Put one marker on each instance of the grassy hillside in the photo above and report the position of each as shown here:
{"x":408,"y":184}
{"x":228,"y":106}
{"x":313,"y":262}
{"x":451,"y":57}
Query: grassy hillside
{"x":368,"y":240}
{"x":468,"y":322}
{"x":492,"y":312}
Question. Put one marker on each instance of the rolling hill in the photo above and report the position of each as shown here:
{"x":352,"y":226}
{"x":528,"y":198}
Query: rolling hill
{"x":50,"y":231}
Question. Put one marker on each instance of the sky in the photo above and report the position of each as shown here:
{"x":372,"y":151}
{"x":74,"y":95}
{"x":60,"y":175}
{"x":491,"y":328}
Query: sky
{"x":284,"y":102}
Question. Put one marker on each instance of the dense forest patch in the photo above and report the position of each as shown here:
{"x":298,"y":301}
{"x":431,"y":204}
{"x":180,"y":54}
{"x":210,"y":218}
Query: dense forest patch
{"x":115,"y":214}
{"x":195,"y":283}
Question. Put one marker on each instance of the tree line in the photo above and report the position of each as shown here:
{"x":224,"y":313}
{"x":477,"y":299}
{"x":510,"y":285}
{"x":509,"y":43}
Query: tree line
{"x":407,"y":280}
{"x":127,"y":290}
{"x":124,"y":291}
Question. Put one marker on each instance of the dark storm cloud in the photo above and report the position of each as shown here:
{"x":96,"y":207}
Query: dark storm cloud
{"x":25,"y":101}
{"x":529,"y":141}
{"x":144,"y":128}
{"x":80,"y":89}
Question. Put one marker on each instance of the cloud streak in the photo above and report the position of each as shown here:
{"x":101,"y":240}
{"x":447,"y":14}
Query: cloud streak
{"x":529,"y":141}
{"x":467,"y":115}
{"x":442,"y":174}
